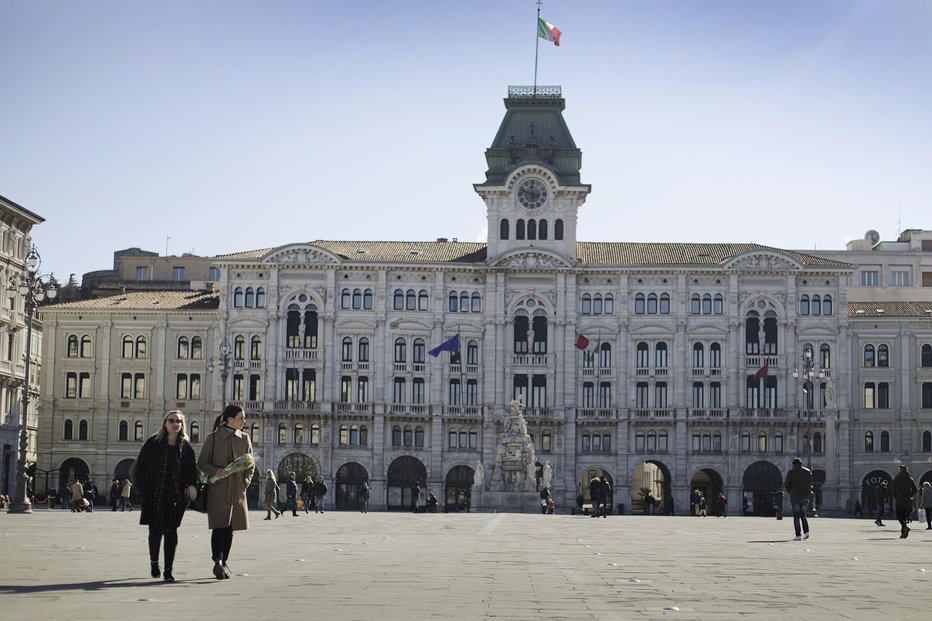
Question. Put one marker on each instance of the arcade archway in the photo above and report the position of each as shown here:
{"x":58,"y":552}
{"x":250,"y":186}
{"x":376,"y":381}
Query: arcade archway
{"x":762,"y":481}
{"x":457,"y":493}
{"x":587,"y":476}
{"x":349,"y":478}
{"x":401,"y":476}
{"x":707,"y":482}
{"x":874,"y":486}
{"x":650,"y":481}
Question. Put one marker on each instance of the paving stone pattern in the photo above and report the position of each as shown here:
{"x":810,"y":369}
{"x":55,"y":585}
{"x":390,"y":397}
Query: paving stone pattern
{"x":342,"y":566}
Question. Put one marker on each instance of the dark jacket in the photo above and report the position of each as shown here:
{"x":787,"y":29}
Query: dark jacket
{"x":595,"y":489}
{"x":904,"y":488}
{"x":163,"y":484}
{"x":799,"y":482}
{"x":291,"y":489}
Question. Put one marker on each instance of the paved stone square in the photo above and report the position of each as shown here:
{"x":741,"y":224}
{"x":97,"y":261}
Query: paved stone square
{"x":335,"y":566}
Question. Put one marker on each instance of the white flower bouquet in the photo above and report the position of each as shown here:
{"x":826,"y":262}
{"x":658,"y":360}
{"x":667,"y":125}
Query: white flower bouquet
{"x":241,"y":463}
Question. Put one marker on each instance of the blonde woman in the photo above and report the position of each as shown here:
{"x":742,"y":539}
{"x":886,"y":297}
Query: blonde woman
{"x":271,"y":496}
{"x":166,"y":476}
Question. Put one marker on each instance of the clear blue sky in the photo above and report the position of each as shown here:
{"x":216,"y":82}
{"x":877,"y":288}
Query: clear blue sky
{"x":231,"y":125}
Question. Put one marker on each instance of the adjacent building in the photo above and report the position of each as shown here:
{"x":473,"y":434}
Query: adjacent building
{"x":666,"y":367}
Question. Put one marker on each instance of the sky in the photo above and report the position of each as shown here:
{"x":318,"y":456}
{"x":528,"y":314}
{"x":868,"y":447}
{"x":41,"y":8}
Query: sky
{"x":219,"y":126}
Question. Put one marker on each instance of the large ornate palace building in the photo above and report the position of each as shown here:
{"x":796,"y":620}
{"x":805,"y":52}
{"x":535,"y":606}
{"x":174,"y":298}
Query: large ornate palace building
{"x":667,"y":367}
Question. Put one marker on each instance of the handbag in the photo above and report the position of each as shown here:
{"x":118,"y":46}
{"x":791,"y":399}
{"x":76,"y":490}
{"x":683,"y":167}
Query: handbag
{"x":203,"y":487}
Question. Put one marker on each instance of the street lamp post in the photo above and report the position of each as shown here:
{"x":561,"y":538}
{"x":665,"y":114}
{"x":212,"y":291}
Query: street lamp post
{"x":223,"y":364}
{"x":34,"y":288}
{"x":808,"y":374}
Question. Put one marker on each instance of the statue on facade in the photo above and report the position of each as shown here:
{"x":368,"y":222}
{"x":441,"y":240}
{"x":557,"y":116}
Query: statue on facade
{"x":829,"y":392}
{"x":479,"y":475}
{"x":547,"y":477}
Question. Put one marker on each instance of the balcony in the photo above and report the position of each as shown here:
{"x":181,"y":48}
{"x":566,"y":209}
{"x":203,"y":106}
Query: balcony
{"x":472,"y":411}
{"x":292,"y":353}
{"x":249,"y":406}
{"x":654,"y":414}
{"x":407,"y":409}
{"x":534,"y":360}
{"x":352,"y":408}
{"x":297,"y":406}
{"x":538,"y":413}
{"x":606,"y":414}
{"x":764,"y":414}
{"x":702,"y":414}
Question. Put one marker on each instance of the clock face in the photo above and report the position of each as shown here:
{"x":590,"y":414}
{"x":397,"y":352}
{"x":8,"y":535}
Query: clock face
{"x":532,"y":194}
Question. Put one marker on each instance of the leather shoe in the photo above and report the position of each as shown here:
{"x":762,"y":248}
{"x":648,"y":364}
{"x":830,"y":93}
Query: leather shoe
{"x":218,"y":570}
{"x":167,"y":576}
{"x":226,"y":571}
{"x":155,"y":570}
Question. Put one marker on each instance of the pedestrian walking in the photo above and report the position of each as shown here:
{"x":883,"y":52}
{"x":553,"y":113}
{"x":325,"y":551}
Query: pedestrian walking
{"x":166,"y":476}
{"x":90,"y":495}
{"x":307,"y":494}
{"x":320,"y":494}
{"x":271,"y":496}
{"x":291,"y":494}
{"x":925,"y":502}
{"x":226,"y":503}
{"x":77,"y":497}
{"x":114,"y":494}
{"x":722,"y":505}
{"x":595,"y":494}
{"x":799,"y":486}
{"x":694,"y":503}
{"x":364,"y":497}
{"x":903,"y":488}
{"x":882,"y":493}
{"x":125,"y":495}
{"x":544,"y":500}
{"x":703,"y":504}
{"x":778,"y":503}
{"x":416,"y":496}
{"x":606,"y":496}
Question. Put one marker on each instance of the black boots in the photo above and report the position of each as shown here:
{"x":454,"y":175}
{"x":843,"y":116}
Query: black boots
{"x":155,"y":569}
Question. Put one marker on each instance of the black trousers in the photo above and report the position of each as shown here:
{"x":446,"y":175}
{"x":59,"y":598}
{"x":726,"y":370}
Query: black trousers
{"x":221,"y":540}
{"x":170,"y":535}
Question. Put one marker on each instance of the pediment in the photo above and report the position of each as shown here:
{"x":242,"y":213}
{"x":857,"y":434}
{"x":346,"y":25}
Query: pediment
{"x":410,"y":325}
{"x":300,"y":254}
{"x":356,"y":325}
{"x":762,"y":261}
{"x":652,"y":329}
{"x":536,"y":258}
{"x":247,"y":323}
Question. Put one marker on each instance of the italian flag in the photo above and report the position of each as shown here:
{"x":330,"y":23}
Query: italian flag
{"x":546,"y":30}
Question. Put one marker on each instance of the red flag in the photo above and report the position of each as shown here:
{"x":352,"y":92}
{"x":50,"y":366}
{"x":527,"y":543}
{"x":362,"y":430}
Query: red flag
{"x":582,"y":342}
{"x":761,"y":373}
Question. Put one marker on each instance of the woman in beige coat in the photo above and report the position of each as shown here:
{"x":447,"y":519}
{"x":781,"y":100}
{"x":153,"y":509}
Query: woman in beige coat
{"x":226,"y":501}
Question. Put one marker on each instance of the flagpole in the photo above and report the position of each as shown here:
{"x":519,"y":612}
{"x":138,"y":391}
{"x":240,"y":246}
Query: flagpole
{"x":536,"y":45}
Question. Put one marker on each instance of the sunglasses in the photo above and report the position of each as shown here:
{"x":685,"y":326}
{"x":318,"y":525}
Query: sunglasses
{"x":172,"y":421}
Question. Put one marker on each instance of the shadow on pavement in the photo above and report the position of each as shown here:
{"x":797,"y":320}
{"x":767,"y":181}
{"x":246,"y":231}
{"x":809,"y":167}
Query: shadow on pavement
{"x":94,"y":586}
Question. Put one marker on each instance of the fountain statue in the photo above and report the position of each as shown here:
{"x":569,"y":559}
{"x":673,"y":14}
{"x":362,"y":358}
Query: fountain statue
{"x":515,"y":462}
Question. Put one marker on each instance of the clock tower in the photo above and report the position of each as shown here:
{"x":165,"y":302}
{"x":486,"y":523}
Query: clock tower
{"x":532,"y":190}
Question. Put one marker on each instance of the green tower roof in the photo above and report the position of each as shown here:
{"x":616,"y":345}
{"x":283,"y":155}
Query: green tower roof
{"x":533,"y":132}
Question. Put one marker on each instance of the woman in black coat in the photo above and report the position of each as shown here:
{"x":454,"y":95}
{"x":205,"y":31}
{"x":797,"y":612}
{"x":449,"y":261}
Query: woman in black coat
{"x":165,"y":473}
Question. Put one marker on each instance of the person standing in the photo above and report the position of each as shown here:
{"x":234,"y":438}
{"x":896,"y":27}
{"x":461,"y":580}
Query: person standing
{"x":90,"y":495}
{"x":778,"y":504}
{"x":882,"y":493}
{"x":166,"y":476}
{"x":799,"y":485}
{"x":271,"y":496}
{"x":702,"y":505}
{"x":320,"y":493}
{"x":77,"y":496}
{"x":226,"y":503}
{"x":544,"y":500}
{"x":904,"y":488}
{"x":722,"y":505}
{"x":416,"y":496}
{"x":694,"y":503}
{"x":307,"y":493}
{"x":595,"y":495}
{"x":291,"y":494}
{"x":606,"y":496}
{"x":125,"y":495}
{"x":114,"y":494}
{"x":925,"y":501}
{"x":364,"y":497}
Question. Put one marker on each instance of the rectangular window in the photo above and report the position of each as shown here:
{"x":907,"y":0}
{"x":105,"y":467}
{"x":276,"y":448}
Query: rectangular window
{"x":605,"y":395}
{"x":899,"y":278}
{"x":142,"y":273}
{"x":454,"y":392}
{"x":213,"y":274}
{"x":472,"y":392}
{"x":539,"y":391}
{"x":71,"y":386}
{"x":519,"y":393}
{"x":870,"y":278}
{"x":139,"y":386}
{"x":255,"y":387}
{"x":869,"y":396}
{"x":715,"y":395}
{"x":588,"y":394}
{"x":178,"y":274}
{"x":346,"y":388}
{"x":927,"y":279}
{"x":181,"y":386}
{"x":417,"y":390}
{"x":84,"y":385}
{"x":239,"y":386}
{"x":398,"y":391}
{"x":126,"y":386}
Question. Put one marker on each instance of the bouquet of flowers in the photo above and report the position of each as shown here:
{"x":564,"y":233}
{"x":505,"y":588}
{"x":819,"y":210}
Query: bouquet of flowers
{"x":241,"y":463}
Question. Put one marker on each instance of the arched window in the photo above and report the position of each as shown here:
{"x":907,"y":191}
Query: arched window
{"x":605,"y":356}
{"x":586,"y":304}
{"x":652,"y":304}
{"x":475,"y":302}
{"x":695,"y":304}
{"x":639,"y":441}
{"x":255,"y":348}
{"x":558,"y":229}
{"x":804,"y":305}
{"x":127,"y":347}
{"x":532,"y":229}
{"x":464,"y":302}
{"x":138,"y":431}
{"x":68,"y":432}
{"x":86,"y":346}
{"x":454,"y":302}
{"x":503,"y":229}
{"x":698,"y":355}
{"x":519,"y":229}
{"x":282,"y":433}
{"x":707,"y":304}
{"x":254,"y":433}
{"x":778,"y":441}
{"x":315,"y":434}
{"x":422,"y":300}
{"x":357,"y":299}
{"x":718,"y":304}
{"x":752,"y":333}
{"x":260,"y":297}
{"x":195,"y":432}
{"x":419,"y":437}
{"x":141,"y":347}
{"x":399,"y":300}
{"x":542,"y":228}
{"x":643,"y":356}
{"x":250,"y":297}
{"x":345,"y":298}
{"x":651,"y":440}
{"x":418,"y":349}
{"x":660,"y":359}
{"x":184,"y":348}
{"x":472,"y":352}
{"x":239,"y":348}
{"x":662,"y":442}
{"x":396,"y":435}
{"x":664,"y":303}
{"x":124,"y":431}
{"x":816,"y":305}
{"x":73,"y":346}
{"x":609,"y":304}
{"x":367,"y":299}
{"x":410,"y":300}
{"x":363,"y":435}
{"x":597,"y":304}
{"x":344,"y":435}
{"x":299,"y":433}
{"x":197,"y":348}
{"x":639,"y":304}
{"x":825,"y":356}
{"x":883,"y":356}
{"x":745,"y":442}
{"x":884,"y":441}
{"x":715,"y":356}
{"x":925,"y":358}
{"x":363,"y":350}
{"x":346,"y":351}
{"x":827,"y":305}
{"x":238,"y":297}
{"x":869,"y":356}
{"x":869,"y":442}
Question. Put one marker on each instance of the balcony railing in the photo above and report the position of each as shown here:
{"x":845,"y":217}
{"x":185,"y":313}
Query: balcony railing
{"x":407,"y":408}
{"x":762,"y":414}
{"x":249,"y":406}
{"x":595,"y":414}
{"x":654,"y":414}
{"x":462,"y":410}
{"x":297,"y":406}
{"x":352,"y":408}
{"x":538,"y":412}
{"x":301,"y":354}
{"x":702,"y":414}
{"x":533,"y":360}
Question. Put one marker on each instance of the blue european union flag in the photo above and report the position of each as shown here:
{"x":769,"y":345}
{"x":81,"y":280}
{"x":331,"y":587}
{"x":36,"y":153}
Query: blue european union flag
{"x":451,"y":345}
